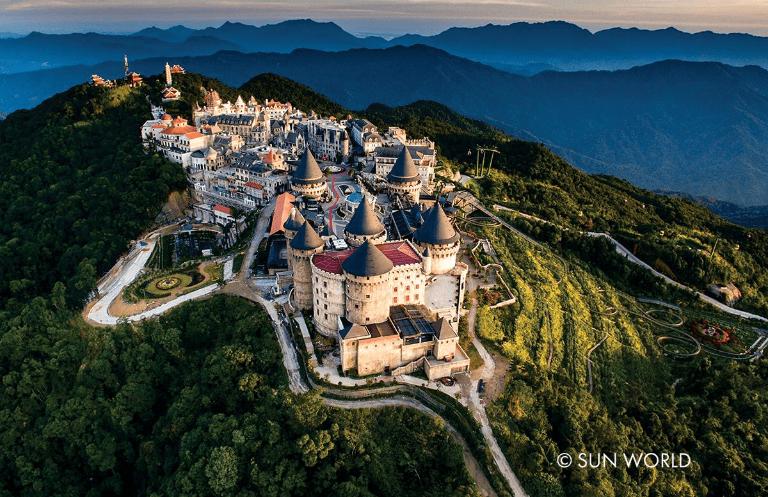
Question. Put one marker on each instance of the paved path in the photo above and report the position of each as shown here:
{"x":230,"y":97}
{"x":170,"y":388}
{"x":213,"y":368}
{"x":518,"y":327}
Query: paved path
{"x":476,"y":406}
{"x":259,"y":232}
{"x":473,"y":466}
{"x":624,"y":251}
{"x":125,"y":271}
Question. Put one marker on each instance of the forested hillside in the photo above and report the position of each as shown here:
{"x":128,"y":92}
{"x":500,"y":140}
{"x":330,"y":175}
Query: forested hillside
{"x":75,"y":188}
{"x":194,"y":403}
{"x":573,"y":298}
{"x":675,"y":234}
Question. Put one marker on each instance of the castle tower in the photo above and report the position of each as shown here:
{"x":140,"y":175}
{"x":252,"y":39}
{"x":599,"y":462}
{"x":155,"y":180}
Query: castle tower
{"x":438,"y":236}
{"x":291,"y":226}
{"x":308,"y":180}
{"x":368,"y":287}
{"x":168,"y":78}
{"x":404,"y":180}
{"x":364,"y":225}
{"x":304,"y":245}
{"x":446,"y":340}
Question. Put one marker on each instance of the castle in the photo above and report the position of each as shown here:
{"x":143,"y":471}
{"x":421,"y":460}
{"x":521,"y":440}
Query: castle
{"x":393,"y":305}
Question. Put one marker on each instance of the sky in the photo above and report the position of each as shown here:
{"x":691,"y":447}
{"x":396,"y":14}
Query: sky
{"x":382,"y":17}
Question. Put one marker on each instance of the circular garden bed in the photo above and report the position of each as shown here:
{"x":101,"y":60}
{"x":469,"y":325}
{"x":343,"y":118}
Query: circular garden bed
{"x":163,"y":286}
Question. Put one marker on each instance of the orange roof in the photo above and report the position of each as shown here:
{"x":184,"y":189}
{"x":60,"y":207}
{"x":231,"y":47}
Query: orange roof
{"x":253,"y":184}
{"x":179,"y":130}
{"x":269,"y":157}
{"x":283,"y":207}
{"x":222,"y":208}
{"x":194,"y":134}
{"x":167,"y":117}
{"x":159,"y":126}
{"x":179,"y":120}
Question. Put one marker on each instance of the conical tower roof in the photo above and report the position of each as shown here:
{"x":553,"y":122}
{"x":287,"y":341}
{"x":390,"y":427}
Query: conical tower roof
{"x":437,"y":228}
{"x":367,"y":260}
{"x":306,"y":238}
{"x":308,"y":171}
{"x":364,"y":221}
{"x":295,"y":220}
{"x":404,"y":170}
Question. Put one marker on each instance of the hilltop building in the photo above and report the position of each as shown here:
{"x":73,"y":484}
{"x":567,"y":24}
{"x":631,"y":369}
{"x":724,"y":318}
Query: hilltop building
{"x":364,"y":225}
{"x":404,"y":180}
{"x":308,"y":180}
{"x":169,"y":92}
{"x":392,"y":305}
{"x":327,"y":139}
{"x":423,"y":157}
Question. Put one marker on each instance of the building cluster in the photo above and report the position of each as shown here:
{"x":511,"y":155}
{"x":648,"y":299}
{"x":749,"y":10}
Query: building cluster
{"x":392,"y":302}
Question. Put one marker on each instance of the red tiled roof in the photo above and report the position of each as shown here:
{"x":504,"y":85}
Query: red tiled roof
{"x":399,"y":252}
{"x":223,"y":209}
{"x":253,"y":184}
{"x":193,"y":134}
{"x":283,"y":207}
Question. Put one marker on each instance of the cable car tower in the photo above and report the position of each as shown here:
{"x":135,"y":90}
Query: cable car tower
{"x":480,"y":165}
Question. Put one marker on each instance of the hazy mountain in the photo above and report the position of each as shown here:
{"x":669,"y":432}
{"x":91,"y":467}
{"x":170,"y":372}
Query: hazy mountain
{"x":571,"y":47}
{"x":173,"y":34}
{"x":39,"y":50}
{"x":701,"y":128}
{"x":289,"y":35}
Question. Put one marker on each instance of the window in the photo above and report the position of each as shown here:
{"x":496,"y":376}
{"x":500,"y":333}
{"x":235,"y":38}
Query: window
{"x":417,"y":286}
{"x":395,"y":300}
{"x":394,"y":289}
{"x":408,"y":287}
{"x":407,"y":298}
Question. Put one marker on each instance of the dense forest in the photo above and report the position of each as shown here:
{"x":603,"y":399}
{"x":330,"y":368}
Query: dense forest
{"x":75,"y":188}
{"x":195,"y":403}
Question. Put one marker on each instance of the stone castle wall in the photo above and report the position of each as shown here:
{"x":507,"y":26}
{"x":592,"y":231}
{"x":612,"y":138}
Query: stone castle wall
{"x":302,"y":277}
{"x":368,"y":298}
{"x":329,"y":297}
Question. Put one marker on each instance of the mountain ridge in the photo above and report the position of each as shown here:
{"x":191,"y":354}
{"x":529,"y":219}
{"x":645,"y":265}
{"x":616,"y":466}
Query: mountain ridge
{"x":698,"y":127}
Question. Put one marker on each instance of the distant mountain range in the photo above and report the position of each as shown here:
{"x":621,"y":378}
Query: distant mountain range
{"x":519,"y":47}
{"x":700,"y":128}
{"x":570,"y":47}
{"x":39,"y":50}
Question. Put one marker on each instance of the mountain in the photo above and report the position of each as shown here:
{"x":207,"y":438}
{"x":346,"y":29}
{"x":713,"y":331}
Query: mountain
{"x":194,"y":389}
{"x":696,"y":127}
{"x":40,"y":50}
{"x":174,"y":34}
{"x":286,"y":36}
{"x":571,"y":47}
